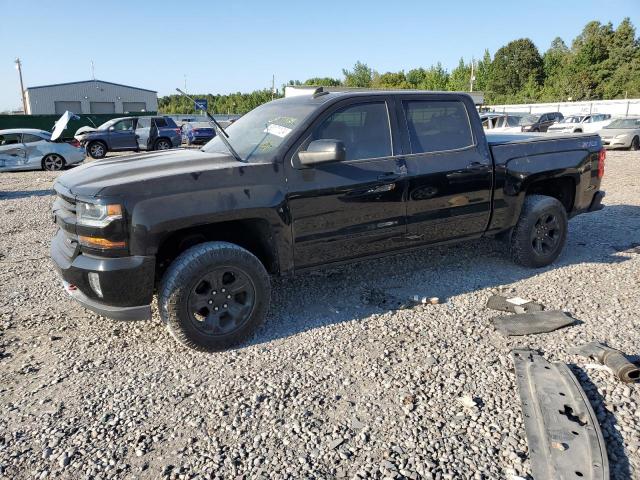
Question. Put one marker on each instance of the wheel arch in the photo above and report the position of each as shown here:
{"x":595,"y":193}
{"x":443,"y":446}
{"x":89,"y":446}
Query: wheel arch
{"x":252,"y":234}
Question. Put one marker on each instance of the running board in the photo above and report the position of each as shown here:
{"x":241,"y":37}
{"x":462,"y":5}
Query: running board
{"x":565,"y":441}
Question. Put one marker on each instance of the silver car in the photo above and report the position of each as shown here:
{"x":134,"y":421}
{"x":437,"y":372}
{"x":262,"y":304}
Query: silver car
{"x":622,"y":133}
{"x":31,"y":149}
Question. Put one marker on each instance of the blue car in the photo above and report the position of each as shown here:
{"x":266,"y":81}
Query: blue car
{"x":197,"y":133}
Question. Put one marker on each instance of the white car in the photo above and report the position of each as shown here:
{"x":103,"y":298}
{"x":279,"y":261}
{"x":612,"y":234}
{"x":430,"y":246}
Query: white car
{"x":581,"y":123}
{"x":32,"y":149}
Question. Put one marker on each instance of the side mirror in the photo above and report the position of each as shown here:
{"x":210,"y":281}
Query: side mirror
{"x":111,"y":129}
{"x":323,"y":151}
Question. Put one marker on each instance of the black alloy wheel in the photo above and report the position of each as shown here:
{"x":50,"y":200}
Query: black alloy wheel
{"x":546,"y":234}
{"x":222,"y":301}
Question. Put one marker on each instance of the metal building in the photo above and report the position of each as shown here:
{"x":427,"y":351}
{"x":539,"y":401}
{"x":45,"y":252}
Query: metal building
{"x":90,"y":96}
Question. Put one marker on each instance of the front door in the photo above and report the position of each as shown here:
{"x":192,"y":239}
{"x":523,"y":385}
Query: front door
{"x":354,"y":208}
{"x":122,"y":135}
{"x":13,"y":154}
{"x":449,"y":171}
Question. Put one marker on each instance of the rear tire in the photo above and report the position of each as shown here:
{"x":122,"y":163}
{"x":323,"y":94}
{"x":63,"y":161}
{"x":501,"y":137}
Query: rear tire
{"x":214,"y":295}
{"x":97,"y":149}
{"x":635,"y":144}
{"x":53,"y":162}
{"x":162,"y":144}
{"x":540,"y":233}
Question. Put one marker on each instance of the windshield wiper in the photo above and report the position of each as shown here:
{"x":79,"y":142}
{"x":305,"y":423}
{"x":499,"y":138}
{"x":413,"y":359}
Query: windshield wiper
{"x":219,"y":130}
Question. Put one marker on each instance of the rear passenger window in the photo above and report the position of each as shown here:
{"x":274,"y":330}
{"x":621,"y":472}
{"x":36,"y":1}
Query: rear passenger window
{"x":435,"y":126}
{"x":28,"y":138}
{"x":160,"y":122}
{"x":363,"y":128}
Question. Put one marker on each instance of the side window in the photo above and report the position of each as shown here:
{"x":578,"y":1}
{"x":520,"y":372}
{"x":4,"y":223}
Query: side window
{"x":28,"y":138}
{"x":543,"y":119}
{"x":123,"y":125}
{"x":144,"y":123}
{"x":364,"y":129}
{"x":9,"y":139}
{"x":436,"y":126}
{"x":160,"y":122}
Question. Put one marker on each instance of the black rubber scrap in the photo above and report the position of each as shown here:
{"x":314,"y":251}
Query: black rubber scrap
{"x":532,"y":323}
{"x":498,"y":302}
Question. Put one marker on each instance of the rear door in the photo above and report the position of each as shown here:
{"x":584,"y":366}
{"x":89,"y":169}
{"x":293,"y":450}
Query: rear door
{"x":143,"y":127}
{"x":122,"y":135}
{"x":13,"y":154}
{"x":355,"y":208}
{"x":36,"y":148}
{"x":449,"y":169}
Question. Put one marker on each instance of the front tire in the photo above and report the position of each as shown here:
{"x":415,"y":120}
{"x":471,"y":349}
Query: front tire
{"x":541,"y":232}
{"x":635,"y":144}
{"x":214,"y":295}
{"x":97,"y":150}
{"x":53,"y":162}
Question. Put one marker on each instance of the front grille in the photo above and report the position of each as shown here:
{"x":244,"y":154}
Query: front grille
{"x":64,"y":212}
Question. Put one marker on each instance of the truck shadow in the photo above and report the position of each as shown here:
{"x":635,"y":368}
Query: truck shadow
{"x":18,"y":194}
{"x":356,"y":291}
{"x":618,"y":462}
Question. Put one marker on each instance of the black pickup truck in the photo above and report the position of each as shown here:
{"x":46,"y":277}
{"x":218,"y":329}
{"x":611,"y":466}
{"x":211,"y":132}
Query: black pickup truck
{"x":309,"y":181}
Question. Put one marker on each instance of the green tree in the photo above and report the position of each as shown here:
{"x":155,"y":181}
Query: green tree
{"x":589,"y":67}
{"x":460,"y":78}
{"x":483,"y":72}
{"x":390,"y":80}
{"x":436,"y":77}
{"x":360,"y":76}
{"x":623,"y":63}
{"x":514,"y":65}
{"x":322,"y":82}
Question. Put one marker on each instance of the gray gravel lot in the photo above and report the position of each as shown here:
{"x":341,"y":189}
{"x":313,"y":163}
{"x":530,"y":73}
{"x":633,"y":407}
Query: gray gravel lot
{"x":337,"y":383}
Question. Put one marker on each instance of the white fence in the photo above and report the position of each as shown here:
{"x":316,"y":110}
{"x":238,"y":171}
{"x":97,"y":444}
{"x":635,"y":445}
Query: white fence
{"x":616,"y":108}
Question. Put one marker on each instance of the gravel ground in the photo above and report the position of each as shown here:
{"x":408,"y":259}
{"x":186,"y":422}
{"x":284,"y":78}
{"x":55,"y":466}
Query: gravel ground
{"x":337,"y":383}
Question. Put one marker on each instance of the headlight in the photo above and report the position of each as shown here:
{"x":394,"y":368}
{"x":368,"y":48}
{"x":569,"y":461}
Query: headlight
{"x":94,"y":215}
{"x":622,"y":135}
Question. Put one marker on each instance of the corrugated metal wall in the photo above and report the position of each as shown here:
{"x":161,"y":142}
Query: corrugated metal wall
{"x":41,"y":100}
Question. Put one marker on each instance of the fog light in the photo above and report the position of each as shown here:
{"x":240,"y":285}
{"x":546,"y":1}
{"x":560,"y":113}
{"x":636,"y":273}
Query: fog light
{"x":94,"y":281}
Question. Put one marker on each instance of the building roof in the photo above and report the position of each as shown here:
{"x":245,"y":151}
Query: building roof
{"x":90,"y":81}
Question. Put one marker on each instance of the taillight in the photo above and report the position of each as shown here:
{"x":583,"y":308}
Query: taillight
{"x":75,"y":143}
{"x":178,"y":131}
{"x":602,"y":157}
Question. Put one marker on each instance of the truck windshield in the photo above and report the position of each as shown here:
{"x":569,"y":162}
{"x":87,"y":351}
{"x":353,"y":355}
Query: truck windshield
{"x":257,"y":135}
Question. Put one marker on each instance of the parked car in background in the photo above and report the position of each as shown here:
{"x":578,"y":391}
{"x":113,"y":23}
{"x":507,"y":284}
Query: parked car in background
{"x":581,"y":123}
{"x":31,"y":149}
{"x":540,"y":122}
{"x":197,"y":133}
{"x":622,"y":133}
{"x":502,"y":122}
{"x":130,"y":134}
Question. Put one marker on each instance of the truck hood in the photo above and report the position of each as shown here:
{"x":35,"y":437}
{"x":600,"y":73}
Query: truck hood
{"x":121,"y":174}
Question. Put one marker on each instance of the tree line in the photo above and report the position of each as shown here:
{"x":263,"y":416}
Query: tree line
{"x":602,"y":62}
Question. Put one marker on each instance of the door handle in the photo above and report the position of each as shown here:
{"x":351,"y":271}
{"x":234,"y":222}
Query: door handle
{"x":475,"y":165}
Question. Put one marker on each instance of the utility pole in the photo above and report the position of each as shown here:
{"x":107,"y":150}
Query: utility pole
{"x":93,"y":72}
{"x":24,"y":101}
{"x":273,"y":86}
{"x":472,"y":75}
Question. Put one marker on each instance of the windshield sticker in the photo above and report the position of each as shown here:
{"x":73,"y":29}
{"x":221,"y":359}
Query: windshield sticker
{"x":277,"y":130}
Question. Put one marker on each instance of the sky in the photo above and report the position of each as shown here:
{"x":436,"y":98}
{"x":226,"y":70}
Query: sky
{"x":232,"y":46}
